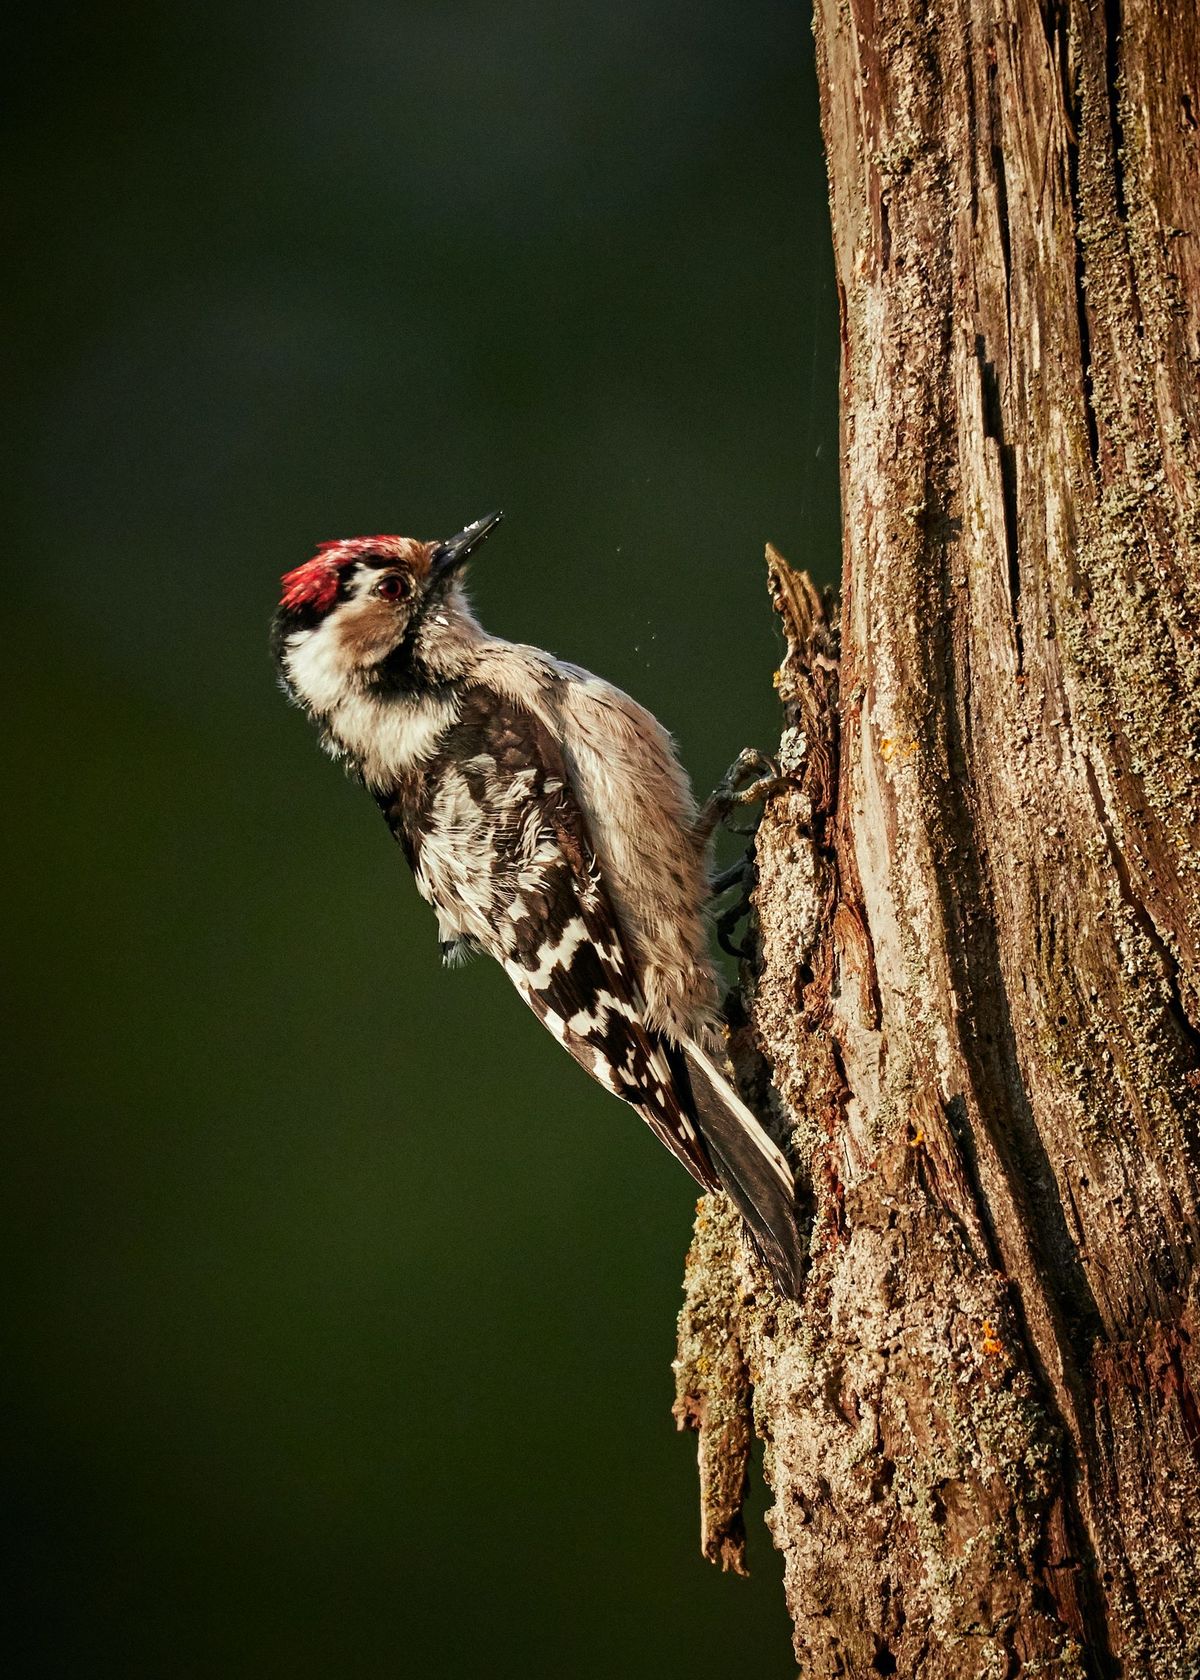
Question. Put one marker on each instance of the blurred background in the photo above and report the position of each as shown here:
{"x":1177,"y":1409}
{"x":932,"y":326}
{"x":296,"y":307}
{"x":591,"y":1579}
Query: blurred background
{"x":341,"y":1302}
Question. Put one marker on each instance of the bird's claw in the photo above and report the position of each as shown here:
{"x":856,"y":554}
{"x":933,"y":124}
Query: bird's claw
{"x":734,"y":876}
{"x":725,"y":798}
{"x":769,"y":781}
{"x":729,"y":792}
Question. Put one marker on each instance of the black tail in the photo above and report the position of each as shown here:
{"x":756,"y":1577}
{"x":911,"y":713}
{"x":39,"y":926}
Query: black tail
{"x":751,"y":1167}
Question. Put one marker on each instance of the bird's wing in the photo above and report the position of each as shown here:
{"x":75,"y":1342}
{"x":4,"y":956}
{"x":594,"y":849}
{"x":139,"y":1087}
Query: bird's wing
{"x":501,"y":849}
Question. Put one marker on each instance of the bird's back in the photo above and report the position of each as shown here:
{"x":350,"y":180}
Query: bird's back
{"x":639,"y":812}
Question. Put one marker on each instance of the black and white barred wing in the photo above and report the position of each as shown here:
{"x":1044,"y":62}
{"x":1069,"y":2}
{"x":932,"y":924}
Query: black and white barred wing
{"x":576,"y":979}
{"x":503,"y":853}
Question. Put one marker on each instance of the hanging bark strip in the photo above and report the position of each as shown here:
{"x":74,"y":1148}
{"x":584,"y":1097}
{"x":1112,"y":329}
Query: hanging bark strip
{"x":978,"y":986}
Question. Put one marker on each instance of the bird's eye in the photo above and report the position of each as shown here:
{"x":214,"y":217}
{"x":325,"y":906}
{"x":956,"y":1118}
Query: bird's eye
{"x":393,"y":587}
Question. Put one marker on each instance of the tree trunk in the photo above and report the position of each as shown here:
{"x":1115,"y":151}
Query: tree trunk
{"x":976,"y":993}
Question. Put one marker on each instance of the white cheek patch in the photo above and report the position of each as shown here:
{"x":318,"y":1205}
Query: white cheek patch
{"x":316,"y":667}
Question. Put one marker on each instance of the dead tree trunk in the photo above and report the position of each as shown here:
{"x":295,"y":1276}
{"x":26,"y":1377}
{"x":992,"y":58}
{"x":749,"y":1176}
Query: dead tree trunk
{"x":977,"y":992}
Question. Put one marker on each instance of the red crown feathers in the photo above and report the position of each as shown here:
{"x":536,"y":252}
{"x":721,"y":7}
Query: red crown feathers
{"x":315,"y":583}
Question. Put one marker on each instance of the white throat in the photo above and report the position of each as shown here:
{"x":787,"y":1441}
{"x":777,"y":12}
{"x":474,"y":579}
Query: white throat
{"x":385,"y":736}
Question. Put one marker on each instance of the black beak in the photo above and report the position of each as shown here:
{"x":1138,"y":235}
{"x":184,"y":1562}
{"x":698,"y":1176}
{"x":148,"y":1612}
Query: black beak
{"x":447,"y":556}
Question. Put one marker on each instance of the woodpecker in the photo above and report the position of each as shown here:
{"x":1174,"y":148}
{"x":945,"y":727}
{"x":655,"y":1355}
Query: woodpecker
{"x":548,"y":821}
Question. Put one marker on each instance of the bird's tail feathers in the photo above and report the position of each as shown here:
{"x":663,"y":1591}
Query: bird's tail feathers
{"x":751,"y":1166}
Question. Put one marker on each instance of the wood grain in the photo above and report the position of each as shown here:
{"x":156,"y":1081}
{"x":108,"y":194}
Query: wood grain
{"x":978,"y":990}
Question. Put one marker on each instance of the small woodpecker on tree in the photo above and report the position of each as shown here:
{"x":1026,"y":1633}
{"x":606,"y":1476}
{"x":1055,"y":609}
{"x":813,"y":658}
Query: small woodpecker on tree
{"x":546,"y":818}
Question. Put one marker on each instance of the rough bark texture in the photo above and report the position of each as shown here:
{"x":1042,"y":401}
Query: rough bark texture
{"x":977,"y":990}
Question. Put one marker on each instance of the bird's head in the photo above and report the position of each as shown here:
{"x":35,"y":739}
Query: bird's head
{"x":387,"y":612}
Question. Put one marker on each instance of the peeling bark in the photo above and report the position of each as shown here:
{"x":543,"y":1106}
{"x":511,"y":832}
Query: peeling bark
{"x":977,"y":985}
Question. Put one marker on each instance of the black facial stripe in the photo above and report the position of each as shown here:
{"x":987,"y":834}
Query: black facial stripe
{"x":404,"y":671}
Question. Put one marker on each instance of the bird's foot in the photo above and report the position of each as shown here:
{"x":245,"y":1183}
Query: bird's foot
{"x":730,"y":793}
{"x":734,"y":876}
{"x":739,"y":876}
{"x":768,"y":781}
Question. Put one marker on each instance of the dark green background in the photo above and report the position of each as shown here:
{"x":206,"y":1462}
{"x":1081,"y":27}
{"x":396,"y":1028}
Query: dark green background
{"x":343,"y":1303}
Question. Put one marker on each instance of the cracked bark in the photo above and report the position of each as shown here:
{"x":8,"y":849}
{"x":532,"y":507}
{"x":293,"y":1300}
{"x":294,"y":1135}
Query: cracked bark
{"x":975,"y":999}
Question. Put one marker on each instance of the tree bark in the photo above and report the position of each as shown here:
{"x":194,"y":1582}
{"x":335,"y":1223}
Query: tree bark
{"x":975,"y":1003}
